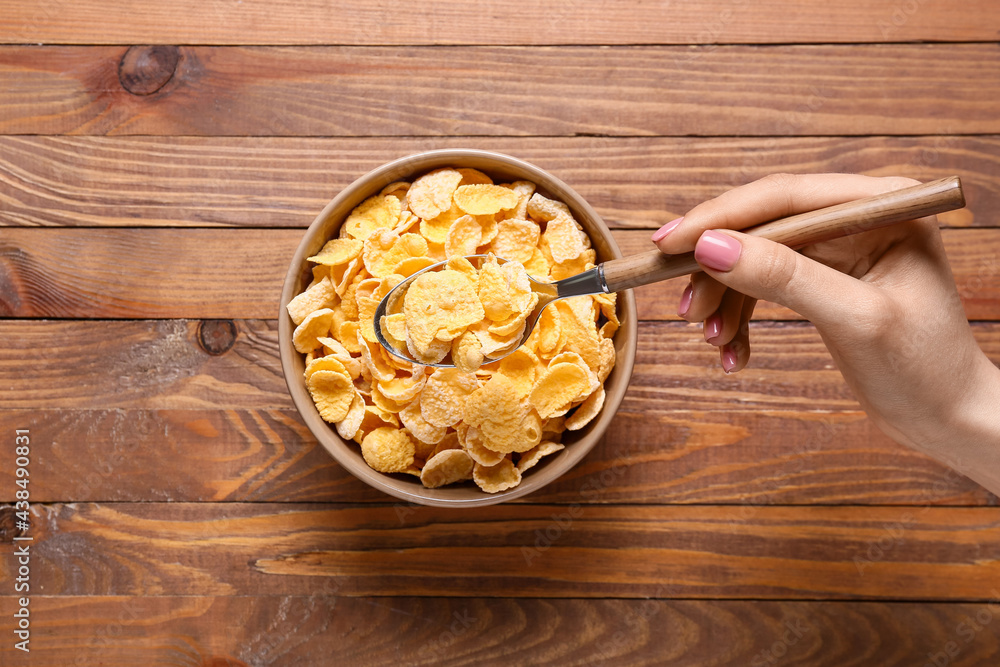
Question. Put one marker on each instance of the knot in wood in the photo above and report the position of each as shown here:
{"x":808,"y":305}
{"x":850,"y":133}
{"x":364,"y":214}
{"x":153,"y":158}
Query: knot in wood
{"x":216,"y":336}
{"x":145,"y":69}
{"x":8,"y":531}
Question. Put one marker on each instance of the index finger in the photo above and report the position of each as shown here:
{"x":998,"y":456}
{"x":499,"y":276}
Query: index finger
{"x":770,"y":198}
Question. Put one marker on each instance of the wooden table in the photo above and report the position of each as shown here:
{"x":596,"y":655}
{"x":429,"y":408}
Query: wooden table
{"x":180,"y":513}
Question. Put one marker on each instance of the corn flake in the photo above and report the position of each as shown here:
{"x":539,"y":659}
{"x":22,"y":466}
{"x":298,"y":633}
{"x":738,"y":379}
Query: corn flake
{"x":587,"y":410}
{"x":493,"y":479}
{"x":464,"y":236}
{"x":557,"y":388}
{"x":524,"y":190}
{"x":440,"y":305}
{"x":348,"y":427}
{"x":520,"y":368}
{"x":483,"y":199}
{"x":332,"y":392}
{"x":530,"y":458}
{"x":411,"y":265}
{"x":319,"y":296}
{"x":338,"y":251}
{"x":564,"y":240}
{"x":467,"y":352}
{"x":316,"y":324}
{"x":388,"y":449}
{"x":418,"y":427}
{"x":516,"y":240}
{"x":443,"y":398}
{"x":403,"y":389}
{"x":385,"y":250}
{"x":431,"y":194}
{"x":378,"y":212}
{"x":474,"y":177}
{"x":472,"y":443}
{"x":446,"y":467}
{"x":505,"y":420}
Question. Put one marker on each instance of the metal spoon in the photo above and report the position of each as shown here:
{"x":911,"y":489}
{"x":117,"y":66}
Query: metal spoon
{"x":796,"y":232}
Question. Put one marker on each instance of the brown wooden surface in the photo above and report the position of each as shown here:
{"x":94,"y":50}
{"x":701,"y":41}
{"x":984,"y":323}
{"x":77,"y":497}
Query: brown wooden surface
{"x":657,"y":455}
{"x":581,"y":550}
{"x":401,"y":91}
{"x":150,"y":200}
{"x":308,"y":629}
{"x":285,"y":181}
{"x":529,"y":22}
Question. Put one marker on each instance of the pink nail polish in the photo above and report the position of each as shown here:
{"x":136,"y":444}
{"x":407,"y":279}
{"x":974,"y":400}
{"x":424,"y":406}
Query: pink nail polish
{"x":728,"y":355}
{"x":717,"y":251}
{"x":662,"y":232}
{"x":685,"y":304}
{"x":713,"y":328}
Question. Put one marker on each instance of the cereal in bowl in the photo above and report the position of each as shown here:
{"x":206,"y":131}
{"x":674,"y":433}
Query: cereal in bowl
{"x":485,"y":422}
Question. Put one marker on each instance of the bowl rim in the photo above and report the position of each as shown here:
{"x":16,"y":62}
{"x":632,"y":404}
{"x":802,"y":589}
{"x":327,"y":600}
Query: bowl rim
{"x":320,"y":230}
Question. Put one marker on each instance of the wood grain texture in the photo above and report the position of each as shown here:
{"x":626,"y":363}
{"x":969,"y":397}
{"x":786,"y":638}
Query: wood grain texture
{"x":532,"y":22}
{"x":213,"y":631}
{"x":286,"y":181}
{"x":160,"y":365}
{"x":406,"y":91}
{"x":520,"y":550}
{"x":230,"y":273}
{"x":649,"y":456}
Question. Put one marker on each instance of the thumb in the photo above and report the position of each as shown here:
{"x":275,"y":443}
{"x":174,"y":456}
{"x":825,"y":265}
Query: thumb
{"x":767,"y":270}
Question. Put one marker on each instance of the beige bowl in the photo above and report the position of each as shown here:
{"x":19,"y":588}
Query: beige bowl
{"x":501,"y":168}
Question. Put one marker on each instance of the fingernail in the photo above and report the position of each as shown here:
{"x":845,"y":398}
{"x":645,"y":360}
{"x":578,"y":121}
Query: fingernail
{"x":685,"y":305}
{"x":728,"y":355}
{"x":717,"y":251}
{"x":713,"y":328}
{"x":662,"y":232}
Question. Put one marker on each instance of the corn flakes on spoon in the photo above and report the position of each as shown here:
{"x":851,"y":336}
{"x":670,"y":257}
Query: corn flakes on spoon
{"x":620,"y":274}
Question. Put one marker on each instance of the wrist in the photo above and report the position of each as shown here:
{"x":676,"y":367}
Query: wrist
{"x":968,"y":439}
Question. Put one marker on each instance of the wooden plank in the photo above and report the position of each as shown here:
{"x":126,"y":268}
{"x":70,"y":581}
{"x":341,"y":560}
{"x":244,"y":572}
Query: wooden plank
{"x":145,"y":364}
{"x":405,"y":91}
{"x":286,"y":181}
{"x":231,"y":273}
{"x":123,"y":631}
{"x":161,"y":364}
{"x":532,"y":22}
{"x":524,"y":551}
{"x":650,"y":455}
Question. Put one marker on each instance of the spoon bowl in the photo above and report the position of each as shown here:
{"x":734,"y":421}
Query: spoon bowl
{"x":581,"y":284}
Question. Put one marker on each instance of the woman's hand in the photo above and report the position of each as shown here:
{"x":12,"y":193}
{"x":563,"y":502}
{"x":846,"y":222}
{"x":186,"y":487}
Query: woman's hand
{"x":884,"y":302}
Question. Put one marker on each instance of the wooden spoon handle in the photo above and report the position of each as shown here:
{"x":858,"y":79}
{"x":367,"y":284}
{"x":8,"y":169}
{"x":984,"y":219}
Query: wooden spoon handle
{"x":801,"y":230}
